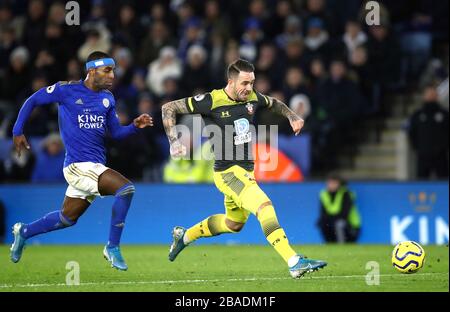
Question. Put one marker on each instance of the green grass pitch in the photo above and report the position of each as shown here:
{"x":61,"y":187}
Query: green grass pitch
{"x":220,"y":268}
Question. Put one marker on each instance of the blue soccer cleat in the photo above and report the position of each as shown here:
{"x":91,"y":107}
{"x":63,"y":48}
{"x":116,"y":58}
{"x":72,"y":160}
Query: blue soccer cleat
{"x":114,"y":256}
{"x":178,"y":244}
{"x":19,"y":243}
{"x":305,"y":265}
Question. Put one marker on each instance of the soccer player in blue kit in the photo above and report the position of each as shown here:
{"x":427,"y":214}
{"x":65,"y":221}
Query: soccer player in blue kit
{"x":86,"y":114}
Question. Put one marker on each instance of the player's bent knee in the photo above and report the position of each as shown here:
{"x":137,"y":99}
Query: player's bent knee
{"x":126,"y":189}
{"x":234,"y":226}
{"x":67,"y":221}
{"x":262,"y":206}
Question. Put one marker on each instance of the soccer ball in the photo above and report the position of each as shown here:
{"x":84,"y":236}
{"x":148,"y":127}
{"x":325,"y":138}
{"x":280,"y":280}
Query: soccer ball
{"x":408,"y":257}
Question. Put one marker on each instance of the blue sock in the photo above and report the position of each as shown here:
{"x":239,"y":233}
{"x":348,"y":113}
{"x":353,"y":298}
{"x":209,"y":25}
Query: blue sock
{"x":119,"y":213}
{"x":50,"y":222}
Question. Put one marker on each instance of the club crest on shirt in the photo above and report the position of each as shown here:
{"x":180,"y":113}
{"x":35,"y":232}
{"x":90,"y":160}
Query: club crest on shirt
{"x":250,"y":108}
{"x":106,"y":102}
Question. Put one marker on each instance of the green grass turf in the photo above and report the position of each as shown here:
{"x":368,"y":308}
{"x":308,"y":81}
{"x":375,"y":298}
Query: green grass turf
{"x":217,"y":268}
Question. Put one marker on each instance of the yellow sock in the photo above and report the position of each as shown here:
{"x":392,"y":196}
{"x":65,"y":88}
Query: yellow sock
{"x":274,"y":233}
{"x":211,"y":226}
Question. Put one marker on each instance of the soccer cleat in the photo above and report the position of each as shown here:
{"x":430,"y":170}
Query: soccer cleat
{"x":114,"y":256}
{"x":178,"y":244}
{"x":305,"y":265}
{"x":19,"y":243}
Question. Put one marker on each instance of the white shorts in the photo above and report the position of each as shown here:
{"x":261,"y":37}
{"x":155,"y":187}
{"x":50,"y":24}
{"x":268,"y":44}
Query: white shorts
{"x":83,"y":179}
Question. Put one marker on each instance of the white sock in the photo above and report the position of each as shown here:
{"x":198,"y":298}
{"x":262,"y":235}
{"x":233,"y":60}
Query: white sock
{"x":186,"y":239}
{"x":293,"y":260}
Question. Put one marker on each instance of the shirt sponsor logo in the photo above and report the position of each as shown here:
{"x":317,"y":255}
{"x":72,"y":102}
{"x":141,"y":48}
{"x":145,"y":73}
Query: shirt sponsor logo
{"x":90,"y":121}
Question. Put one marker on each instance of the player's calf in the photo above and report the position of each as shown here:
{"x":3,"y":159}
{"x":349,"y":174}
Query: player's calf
{"x":50,"y":222}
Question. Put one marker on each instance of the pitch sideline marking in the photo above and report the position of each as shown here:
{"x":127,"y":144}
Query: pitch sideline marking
{"x":203,"y":280}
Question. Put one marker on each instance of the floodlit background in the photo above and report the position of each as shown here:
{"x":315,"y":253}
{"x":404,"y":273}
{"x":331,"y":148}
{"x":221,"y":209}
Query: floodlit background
{"x":374,"y":98}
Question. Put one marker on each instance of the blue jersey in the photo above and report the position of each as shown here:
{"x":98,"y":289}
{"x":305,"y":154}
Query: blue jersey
{"x":84,"y":117}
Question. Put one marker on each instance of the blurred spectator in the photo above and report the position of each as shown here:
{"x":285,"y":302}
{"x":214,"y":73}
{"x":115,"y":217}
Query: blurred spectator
{"x":360,"y":67}
{"x":251,"y":38}
{"x":48,"y":64}
{"x":171,"y":90}
{"x":123,"y":73}
{"x":292,"y":30}
{"x":317,"y":9}
{"x":318,"y":74}
{"x":443,"y":94}
{"x":214,"y":21}
{"x":263,"y":85}
{"x":165,"y":66}
{"x":127,"y":31}
{"x":49,"y":160}
{"x":384,"y":62}
{"x":34,"y":28}
{"x":269,"y":65}
{"x":428,"y":133}
{"x":301,"y":105}
{"x":138,"y":84}
{"x":2,"y":222}
{"x":295,"y":55}
{"x":19,"y":169}
{"x":18,"y":74}
{"x":74,"y":70}
{"x":8,"y":42}
{"x":97,"y":39}
{"x":317,"y":39}
{"x":157,"y":37}
{"x":258,"y":11}
{"x":340,"y":103}
{"x":6,"y":16}
{"x":57,"y":13}
{"x":353,"y":38}
{"x":193,"y":34}
{"x":294,"y":82}
{"x":217,"y":66}
{"x":284,"y":19}
{"x":437,"y":73}
{"x":339,"y":219}
{"x":195,"y":74}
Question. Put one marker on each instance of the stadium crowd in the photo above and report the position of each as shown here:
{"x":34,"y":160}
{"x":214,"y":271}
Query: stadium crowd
{"x":319,"y":57}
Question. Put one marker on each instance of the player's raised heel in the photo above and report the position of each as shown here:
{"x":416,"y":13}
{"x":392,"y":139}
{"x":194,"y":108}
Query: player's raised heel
{"x":114,"y":256}
{"x":178,"y":244}
{"x":19,"y":243}
{"x":305,"y":265}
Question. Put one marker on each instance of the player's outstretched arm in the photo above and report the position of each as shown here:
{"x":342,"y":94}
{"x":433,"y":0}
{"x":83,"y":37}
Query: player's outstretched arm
{"x":118,"y":132}
{"x":169,"y":113}
{"x":280,"y":108}
{"x":41,"y":97}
